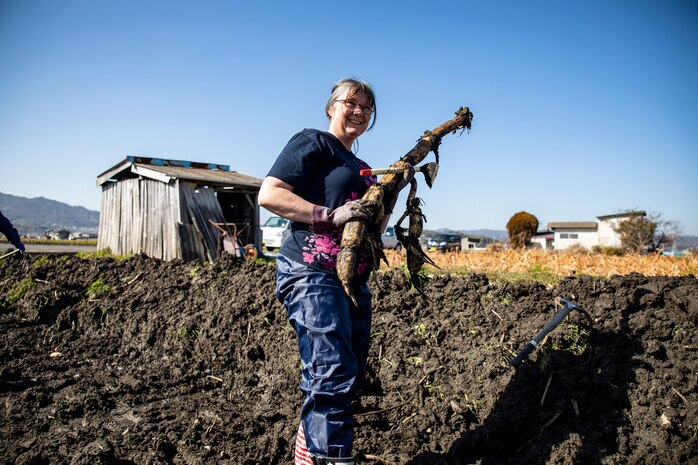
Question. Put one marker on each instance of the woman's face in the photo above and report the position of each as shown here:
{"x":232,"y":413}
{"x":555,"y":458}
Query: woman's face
{"x":346,"y":123}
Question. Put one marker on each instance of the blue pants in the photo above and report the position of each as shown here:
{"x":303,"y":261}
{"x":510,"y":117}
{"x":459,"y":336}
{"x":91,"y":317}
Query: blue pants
{"x":333,"y":339}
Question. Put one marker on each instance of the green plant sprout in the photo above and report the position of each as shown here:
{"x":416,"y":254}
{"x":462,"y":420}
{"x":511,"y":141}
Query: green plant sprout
{"x":434,"y":390}
{"x":422,"y":274}
{"x":575,"y":339}
{"x":506,"y":299}
{"x":543,"y":274}
{"x":20,"y":289}
{"x":194,"y":271}
{"x":97,"y":289}
{"x":40,"y":261}
{"x":103,"y":253}
{"x":422,"y":330}
{"x":185,"y":334}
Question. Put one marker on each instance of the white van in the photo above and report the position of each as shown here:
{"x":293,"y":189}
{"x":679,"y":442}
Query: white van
{"x":274,"y":232}
{"x":390,"y":239}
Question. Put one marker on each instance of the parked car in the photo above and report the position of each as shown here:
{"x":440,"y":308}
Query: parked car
{"x":274,"y":232}
{"x":444,"y":243}
{"x":390,"y":239}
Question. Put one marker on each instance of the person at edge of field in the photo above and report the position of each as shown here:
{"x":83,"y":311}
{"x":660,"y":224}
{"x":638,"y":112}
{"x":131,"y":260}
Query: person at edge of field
{"x":10,"y":232}
{"x":315,"y":183}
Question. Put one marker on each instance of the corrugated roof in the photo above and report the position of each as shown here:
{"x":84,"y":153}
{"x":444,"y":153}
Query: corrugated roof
{"x":167,"y":170}
{"x":204,"y":175}
{"x":573,"y":225}
{"x":623,"y":215}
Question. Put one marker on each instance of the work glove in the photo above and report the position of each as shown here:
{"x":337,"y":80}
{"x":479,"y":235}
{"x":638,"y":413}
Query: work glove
{"x":20,"y":246}
{"x":407,"y":176}
{"x":325,"y":218}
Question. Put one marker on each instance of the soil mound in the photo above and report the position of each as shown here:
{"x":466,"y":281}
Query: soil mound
{"x":149,"y":362}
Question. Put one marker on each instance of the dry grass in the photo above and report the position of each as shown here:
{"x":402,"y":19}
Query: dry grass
{"x":556,"y":264}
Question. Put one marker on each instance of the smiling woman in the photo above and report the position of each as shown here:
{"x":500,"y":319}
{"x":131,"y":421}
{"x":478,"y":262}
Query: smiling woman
{"x":316,"y":183}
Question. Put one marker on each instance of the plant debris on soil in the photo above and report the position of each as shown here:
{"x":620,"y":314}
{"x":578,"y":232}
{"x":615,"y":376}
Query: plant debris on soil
{"x":142,"y":361}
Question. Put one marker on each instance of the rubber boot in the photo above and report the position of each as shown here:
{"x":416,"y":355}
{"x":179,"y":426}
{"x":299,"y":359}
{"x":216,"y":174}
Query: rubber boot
{"x":303,"y":457}
{"x":333,"y":461}
{"x":302,"y":454}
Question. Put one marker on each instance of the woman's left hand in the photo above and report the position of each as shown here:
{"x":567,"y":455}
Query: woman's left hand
{"x":407,"y":176}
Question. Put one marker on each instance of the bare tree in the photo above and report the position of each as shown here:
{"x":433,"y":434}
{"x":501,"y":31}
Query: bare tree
{"x":646,"y":233}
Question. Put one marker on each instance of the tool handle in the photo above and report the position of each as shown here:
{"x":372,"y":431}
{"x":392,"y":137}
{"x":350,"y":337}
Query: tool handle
{"x":377,"y":171}
{"x":524,"y":353}
{"x":552,"y":324}
{"x":11,"y":253}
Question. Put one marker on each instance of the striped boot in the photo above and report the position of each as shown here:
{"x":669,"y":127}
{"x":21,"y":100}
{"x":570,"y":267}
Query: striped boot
{"x":303,"y":457}
{"x":302,"y":454}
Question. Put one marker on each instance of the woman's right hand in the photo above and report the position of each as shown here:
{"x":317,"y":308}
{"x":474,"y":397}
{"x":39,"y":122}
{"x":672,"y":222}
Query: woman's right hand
{"x":325,"y":218}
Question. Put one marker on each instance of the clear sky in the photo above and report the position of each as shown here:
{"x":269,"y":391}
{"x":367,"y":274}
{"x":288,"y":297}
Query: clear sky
{"x":580,"y":109}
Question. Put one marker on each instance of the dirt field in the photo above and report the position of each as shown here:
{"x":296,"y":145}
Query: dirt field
{"x":147,"y":362}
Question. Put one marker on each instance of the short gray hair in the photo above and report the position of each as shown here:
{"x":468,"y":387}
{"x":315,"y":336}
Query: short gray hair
{"x":352,"y":87}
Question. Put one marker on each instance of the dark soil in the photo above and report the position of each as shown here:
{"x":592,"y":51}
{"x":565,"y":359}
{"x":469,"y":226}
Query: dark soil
{"x":149,"y":362}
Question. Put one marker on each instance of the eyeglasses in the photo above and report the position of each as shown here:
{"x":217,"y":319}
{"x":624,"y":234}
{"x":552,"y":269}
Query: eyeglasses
{"x":352,"y":105}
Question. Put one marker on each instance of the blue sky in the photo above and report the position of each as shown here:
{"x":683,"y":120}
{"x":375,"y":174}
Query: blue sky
{"x":581,"y":108}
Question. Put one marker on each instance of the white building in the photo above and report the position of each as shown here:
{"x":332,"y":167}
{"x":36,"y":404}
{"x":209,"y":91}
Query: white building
{"x":567,"y":234}
{"x":587,"y":234}
{"x":474,"y":242}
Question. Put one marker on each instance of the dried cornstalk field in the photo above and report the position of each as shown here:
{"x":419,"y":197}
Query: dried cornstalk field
{"x":559,"y":263}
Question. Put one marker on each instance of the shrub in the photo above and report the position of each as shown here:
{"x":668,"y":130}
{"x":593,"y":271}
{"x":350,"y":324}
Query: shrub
{"x":610,"y":251}
{"x":521,"y":228}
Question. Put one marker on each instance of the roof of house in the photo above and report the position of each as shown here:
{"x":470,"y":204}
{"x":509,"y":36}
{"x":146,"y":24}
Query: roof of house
{"x":623,"y":215}
{"x":573,"y":225}
{"x":473,"y":236}
{"x":164,"y":170}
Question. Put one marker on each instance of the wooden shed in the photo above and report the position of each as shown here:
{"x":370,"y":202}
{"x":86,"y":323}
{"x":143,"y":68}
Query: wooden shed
{"x":172,"y":209}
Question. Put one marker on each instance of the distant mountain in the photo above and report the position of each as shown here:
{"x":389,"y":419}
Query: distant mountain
{"x":34,"y":216}
{"x":685,"y":242}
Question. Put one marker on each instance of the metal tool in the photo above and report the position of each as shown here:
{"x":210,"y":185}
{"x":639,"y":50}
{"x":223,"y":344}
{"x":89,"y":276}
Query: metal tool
{"x":429,"y":170}
{"x":11,"y":253}
{"x":568,"y":306}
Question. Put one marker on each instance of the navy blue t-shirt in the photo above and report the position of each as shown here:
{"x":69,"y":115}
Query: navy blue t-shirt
{"x":9,"y":231}
{"x":323,"y":172}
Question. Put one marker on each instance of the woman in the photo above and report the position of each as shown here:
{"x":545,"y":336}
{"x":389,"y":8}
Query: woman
{"x":315,"y":183}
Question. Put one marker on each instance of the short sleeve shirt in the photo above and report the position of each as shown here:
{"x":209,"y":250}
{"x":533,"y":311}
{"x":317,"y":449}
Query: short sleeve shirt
{"x":9,"y":231}
{"x":323,"y":172}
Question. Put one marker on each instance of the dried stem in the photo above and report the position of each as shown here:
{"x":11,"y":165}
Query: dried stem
{"x":545,"y":393}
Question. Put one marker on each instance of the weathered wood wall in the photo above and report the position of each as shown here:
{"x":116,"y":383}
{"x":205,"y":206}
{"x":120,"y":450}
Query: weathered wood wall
{"x":161,"y":220}
{"x":140,"y":216}
{"x":202,"y":206}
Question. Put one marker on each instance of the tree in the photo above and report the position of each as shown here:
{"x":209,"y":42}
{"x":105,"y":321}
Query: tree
{"x":641,"y":233}
{"x":521,"y":228}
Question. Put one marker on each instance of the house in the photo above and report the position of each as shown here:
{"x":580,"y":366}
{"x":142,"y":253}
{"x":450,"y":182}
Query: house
{"x":474,"y":242}
{"x":587,"y":234}
{"x":57,"y":234}
{"x":172,"y":209}
{"x":567,"y":234}
{"x":544,"y":238}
